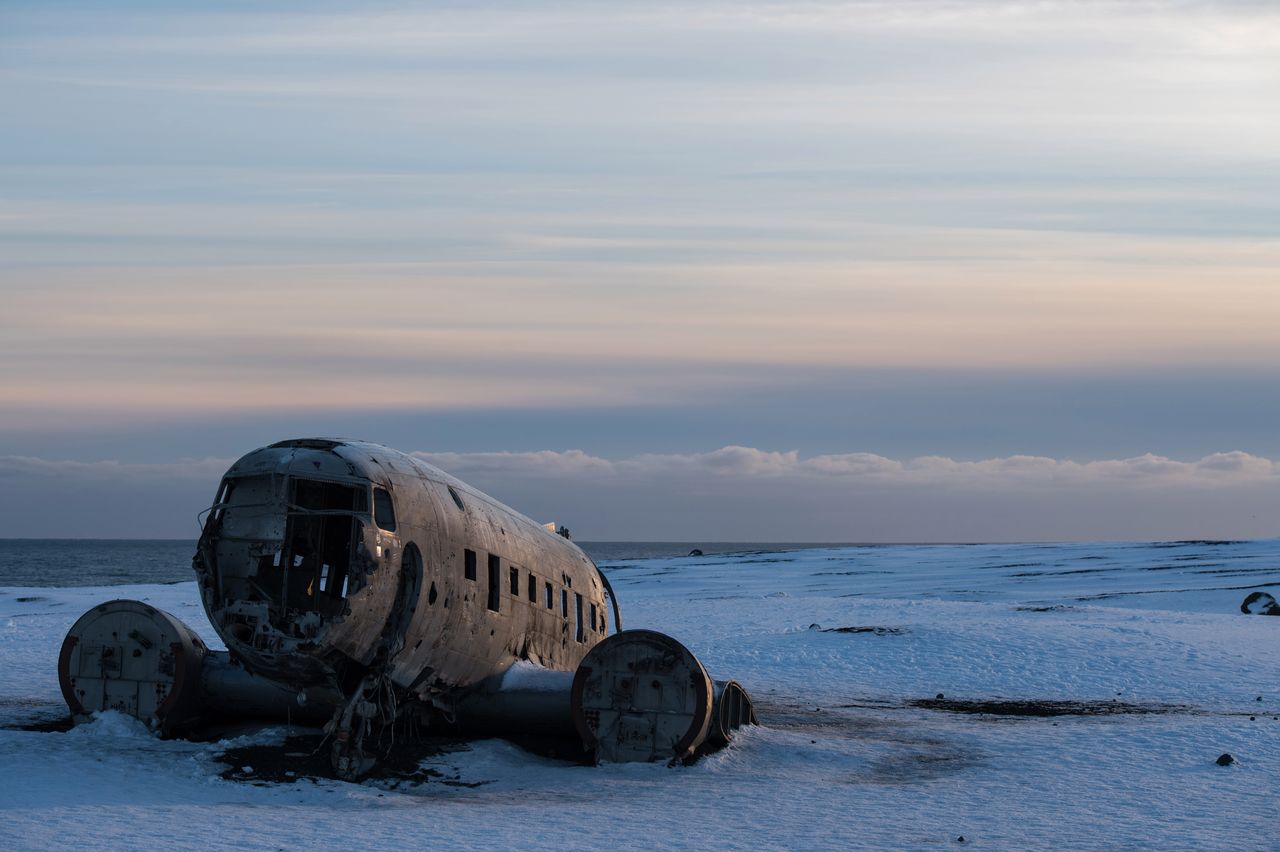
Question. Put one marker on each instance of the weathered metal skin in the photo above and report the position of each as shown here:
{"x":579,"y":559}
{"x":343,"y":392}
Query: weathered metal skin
{"x":311,"y":578}
{"x":355,"y":583}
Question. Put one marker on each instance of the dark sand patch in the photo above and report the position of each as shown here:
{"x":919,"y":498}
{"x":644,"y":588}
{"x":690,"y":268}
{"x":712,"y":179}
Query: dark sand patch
{"x":1044,"y":707}
{"x":306,"y":758}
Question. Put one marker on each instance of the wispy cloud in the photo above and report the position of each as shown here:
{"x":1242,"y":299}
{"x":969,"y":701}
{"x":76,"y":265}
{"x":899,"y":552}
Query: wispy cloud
{"x":749,"y":463}
{"x":734,"y":463}
{"x":206,"y":470}
{"x":733,"y":493}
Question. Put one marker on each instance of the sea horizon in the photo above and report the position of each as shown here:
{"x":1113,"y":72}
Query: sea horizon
{"x":61,"y":562}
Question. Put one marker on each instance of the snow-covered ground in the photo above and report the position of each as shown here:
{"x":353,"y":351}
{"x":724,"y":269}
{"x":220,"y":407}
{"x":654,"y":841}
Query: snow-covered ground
{"x":845,"y":757}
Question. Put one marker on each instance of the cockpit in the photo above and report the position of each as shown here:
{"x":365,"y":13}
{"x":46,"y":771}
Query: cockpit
{"x":286,"y":552}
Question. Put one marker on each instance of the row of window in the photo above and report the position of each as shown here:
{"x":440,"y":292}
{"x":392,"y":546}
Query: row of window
{"x":470,"y":571}
{"x":385,"y":517}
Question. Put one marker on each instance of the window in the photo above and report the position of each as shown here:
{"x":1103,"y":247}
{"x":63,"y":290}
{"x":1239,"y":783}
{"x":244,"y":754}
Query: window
{"x":321,"y":533}
{"x":564,"y":603}
{"x":456,"y":499}
{"x":593,"y":616}
{"x":549,"y":595}
{"x":327,"y":496}
{"x":515,"y":581}
{"x":581,"y":632}
{"x":469,"y":564}
{"x":495,"y":582}
{"x":224,"y":496}
{"x":384,"y":514}
{"x":533,"y":588}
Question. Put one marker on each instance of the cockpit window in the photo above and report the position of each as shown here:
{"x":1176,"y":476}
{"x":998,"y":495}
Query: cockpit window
{"x":384,"y":514}
{"x":324,"y":496}
{"x":223,"y":497}
{"x":456,"y":499}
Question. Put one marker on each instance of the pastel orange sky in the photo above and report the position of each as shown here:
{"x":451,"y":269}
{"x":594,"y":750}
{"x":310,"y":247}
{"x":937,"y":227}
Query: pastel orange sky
{"x":969,"y":230}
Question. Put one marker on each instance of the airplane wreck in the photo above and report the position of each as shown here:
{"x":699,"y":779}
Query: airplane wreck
{"x":359,"y":588}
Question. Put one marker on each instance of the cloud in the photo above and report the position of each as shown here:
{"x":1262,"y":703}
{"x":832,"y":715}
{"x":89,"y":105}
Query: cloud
{"x":204,"y":470}
{"x":749,"y":463}
{"x":735,"y":463}
{"x":734,"y":493}
{"x":739,"y":493}
{"x":541,"y":463}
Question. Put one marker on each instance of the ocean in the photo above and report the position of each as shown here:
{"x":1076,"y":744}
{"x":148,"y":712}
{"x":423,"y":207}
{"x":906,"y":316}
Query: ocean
{"x":64,"y":562}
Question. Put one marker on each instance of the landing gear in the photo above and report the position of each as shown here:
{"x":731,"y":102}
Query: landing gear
{"x":349,"y":726}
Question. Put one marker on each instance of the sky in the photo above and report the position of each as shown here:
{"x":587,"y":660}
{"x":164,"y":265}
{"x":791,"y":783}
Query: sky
{"x":864,"y":271}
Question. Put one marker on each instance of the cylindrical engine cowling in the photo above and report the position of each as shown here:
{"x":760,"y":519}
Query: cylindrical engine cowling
{"x":640,"y":695}
{"x":129,"y":656}
{"x":227,"y":689}
{"x":732,"y":710}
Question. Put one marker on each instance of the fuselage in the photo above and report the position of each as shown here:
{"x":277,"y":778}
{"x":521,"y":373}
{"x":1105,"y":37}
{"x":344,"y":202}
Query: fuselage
{"x":323,"y":561}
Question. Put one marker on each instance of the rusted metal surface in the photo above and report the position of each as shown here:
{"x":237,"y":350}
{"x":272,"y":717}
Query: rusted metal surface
{"x":129,"y":656}
{"x":641,"y":696}
{"x":125,"y":655}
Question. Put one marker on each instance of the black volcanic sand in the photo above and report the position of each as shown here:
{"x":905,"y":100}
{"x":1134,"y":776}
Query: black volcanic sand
{"x":306,"y":758}
{"x":1044,"y":707}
